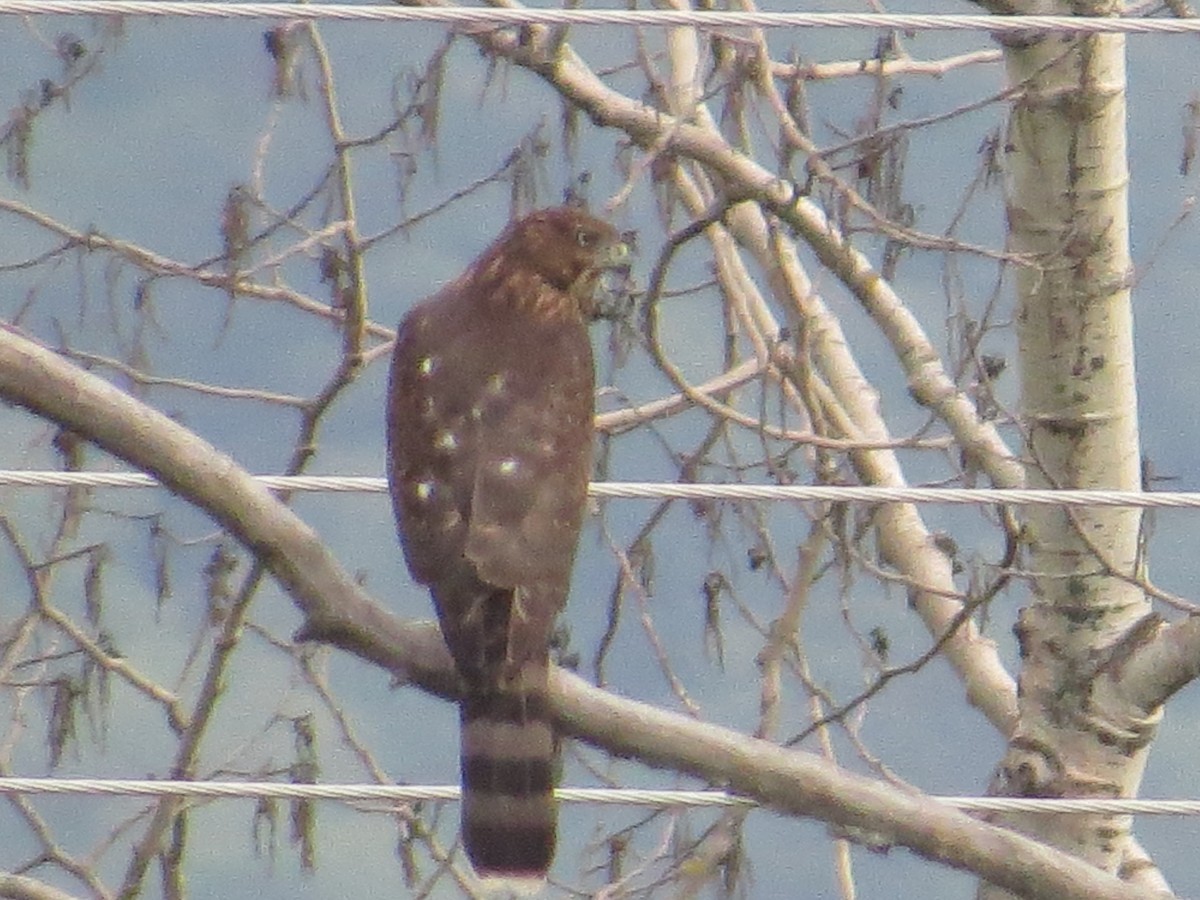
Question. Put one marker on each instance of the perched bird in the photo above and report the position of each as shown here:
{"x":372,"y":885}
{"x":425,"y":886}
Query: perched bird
{"x":489,"y":429}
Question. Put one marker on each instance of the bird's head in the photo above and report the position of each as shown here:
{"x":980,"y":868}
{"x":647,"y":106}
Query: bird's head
{"x":567,"y":248}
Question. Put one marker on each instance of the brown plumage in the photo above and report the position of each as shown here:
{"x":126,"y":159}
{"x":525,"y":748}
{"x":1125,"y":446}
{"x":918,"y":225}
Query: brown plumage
{"x":489,"y":430}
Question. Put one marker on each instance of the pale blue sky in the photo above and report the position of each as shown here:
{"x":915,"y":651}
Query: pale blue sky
{"x":146,"y":153}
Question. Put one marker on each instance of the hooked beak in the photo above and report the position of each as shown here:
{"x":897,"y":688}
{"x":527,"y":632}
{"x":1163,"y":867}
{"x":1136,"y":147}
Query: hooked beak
{"x":616,"y":256}
{"x":614,"y":299}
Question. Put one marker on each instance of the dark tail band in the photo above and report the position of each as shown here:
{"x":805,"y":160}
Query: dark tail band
{"x":509,"y":816}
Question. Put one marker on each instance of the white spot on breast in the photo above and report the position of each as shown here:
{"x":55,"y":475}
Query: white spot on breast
{"x":497,"y":384}
{"x":426,"y":365}
{"x":508,"y":466}
{"x":428,"y":408}
{"x":423,"y":490}
{"x":446,"y":440}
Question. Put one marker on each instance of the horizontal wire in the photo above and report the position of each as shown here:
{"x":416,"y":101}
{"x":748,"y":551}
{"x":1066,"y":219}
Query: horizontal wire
{"x":658,"y":17}
{"x":412,"y":793}
{"x":631,"y":490}
{"x":346,"y":792}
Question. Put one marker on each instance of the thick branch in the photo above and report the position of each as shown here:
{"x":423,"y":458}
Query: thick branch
{"x":338,"y":611}
{"x":22,"y":887}
{"x":1161,"y":666}
{"x":333,"y":604}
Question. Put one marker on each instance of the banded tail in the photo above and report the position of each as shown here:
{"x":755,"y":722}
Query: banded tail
{"x":508,"y":758}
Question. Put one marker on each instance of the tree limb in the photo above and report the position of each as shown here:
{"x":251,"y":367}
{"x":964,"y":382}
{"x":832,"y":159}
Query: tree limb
{"x":339,"y":612}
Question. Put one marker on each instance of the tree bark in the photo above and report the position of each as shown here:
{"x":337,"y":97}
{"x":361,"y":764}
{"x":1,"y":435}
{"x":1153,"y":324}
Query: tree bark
{"x":1067,"y":210}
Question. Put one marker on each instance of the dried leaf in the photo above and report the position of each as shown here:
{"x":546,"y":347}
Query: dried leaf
{"x":64,"y":707}
{"x":304,"y":771}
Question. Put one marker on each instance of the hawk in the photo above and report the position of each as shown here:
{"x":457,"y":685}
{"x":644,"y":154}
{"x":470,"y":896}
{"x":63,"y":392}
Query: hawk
{"x":489,"y":429}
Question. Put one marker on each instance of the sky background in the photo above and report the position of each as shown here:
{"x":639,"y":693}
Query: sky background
{"x":147,"y":151}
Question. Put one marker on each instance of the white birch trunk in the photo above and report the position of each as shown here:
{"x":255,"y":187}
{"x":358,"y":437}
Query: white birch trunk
{"x":1067,"y":209}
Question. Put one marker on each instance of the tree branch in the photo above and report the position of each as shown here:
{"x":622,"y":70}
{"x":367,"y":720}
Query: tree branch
{"x":339,"y":612}
{"x":22,"y":887}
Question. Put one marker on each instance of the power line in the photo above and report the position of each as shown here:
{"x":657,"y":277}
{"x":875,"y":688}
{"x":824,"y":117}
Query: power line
{"x":632,"y":490}
{"x":413,"y":793}
{"x":658,"y":17}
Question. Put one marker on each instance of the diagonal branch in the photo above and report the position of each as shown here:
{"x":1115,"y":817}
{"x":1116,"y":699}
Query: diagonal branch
{"x":339,"y":612}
